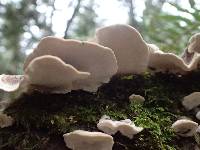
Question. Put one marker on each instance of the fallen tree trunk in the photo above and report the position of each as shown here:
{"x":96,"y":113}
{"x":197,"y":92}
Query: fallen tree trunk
{"x":42,"y":119}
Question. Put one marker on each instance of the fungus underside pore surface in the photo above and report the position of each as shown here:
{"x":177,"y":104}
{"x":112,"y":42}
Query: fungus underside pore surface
{"x":42,"y":119}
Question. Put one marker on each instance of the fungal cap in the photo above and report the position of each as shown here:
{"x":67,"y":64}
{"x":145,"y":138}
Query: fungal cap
{"x":10,"y":83}
{"x":51,"y":72}
{"x":136,"y":98}
{"x":98,"y":60}
{"x":198,"y":115}
{"x":185,"y":127}
{"x":84,"y":140}
{"x":130,"y":49}
{"x":191,"y":101}
{"x":167,"y":62}
{"x":194,"y":43}
{"x":125,"y":127}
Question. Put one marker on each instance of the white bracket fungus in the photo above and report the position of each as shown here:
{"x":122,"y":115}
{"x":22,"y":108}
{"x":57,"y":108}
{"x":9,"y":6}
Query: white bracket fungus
{"x":198,"y":129}
{"x":136,"y":98}
{"x":191,"y":53}
{"x":134,"y":54}
{"x":194,"y":43}
{"x":191,"y":101}
{"x":52,"y":73}
{"x":130,"y":49}
{"x":198,"y":115}
{"x":187,"y":57}
{"x":125,"y":127}
{"x":160,"y":61}
{"x":185,"y":127}
{"x":84,"y":140}
{"x":196,"y":147}
{"x":5,"y":120}
{"x":165,"y":62}
{"x":10,"y":83}
{"x":89,"y":57}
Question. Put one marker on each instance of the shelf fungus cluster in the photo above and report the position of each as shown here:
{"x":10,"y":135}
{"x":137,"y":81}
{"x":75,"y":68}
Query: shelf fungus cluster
{"x":191,"y":102}
{"x":59,"y":65}
{"x":85,"y":140}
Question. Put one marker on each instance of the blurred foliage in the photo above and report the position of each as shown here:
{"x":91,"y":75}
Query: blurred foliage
{"x":170,"y":32}
{"x":86,"y":21}
{"x":23,"y":23}
{"x":131,"y":13}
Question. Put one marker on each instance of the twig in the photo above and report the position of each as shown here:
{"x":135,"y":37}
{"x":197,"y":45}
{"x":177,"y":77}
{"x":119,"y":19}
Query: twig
{"x":69,"y":22}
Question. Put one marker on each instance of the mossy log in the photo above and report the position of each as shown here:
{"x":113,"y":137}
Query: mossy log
{"x":42,"y":119}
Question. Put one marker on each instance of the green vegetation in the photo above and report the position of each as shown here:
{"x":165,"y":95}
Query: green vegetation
{"x":42,"y":119}
{"x":165,"y":28}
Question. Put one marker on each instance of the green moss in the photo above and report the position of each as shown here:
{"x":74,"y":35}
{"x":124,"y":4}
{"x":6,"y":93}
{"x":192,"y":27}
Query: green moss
{"x":42,"y":119}
{"x":157,"y":121}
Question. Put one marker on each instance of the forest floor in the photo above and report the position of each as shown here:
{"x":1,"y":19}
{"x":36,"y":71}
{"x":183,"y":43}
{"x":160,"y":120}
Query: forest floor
{"x":42,"y":119}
